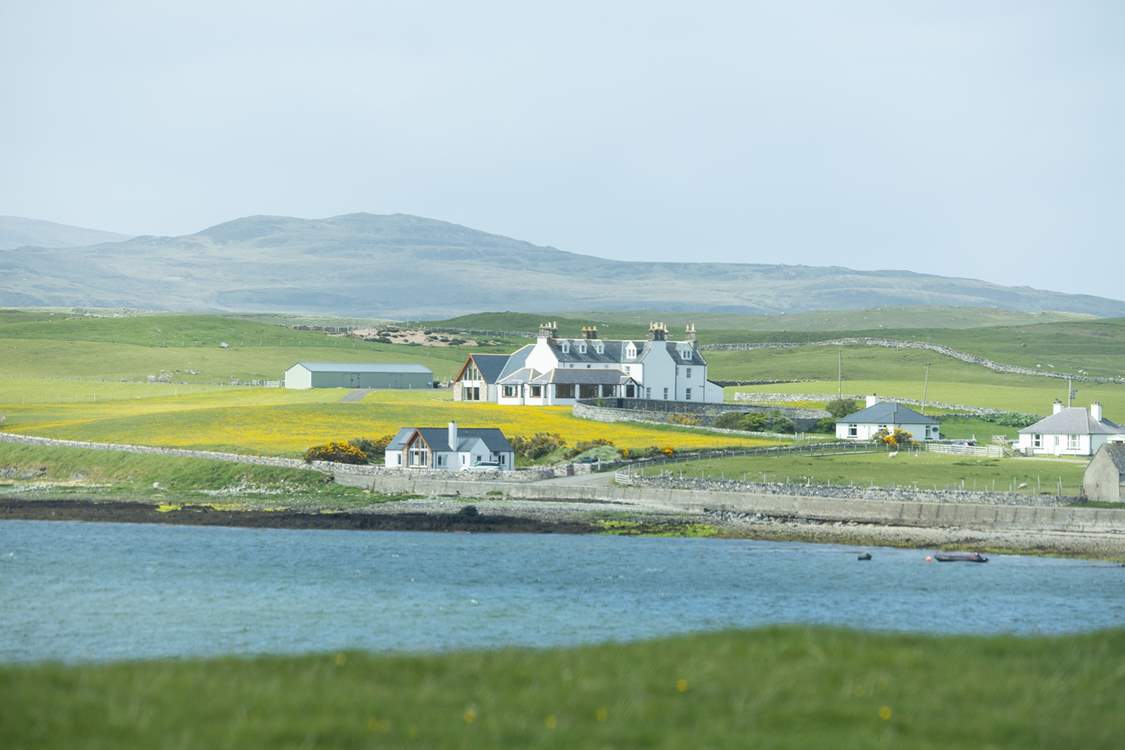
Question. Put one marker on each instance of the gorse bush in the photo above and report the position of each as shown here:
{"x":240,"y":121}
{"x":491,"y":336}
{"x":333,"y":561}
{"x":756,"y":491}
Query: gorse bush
{"x":538,"y":445}
{"x":585,"y":445}
{"x":756,"y":422}
{"x":689,"y":420}
{"x":341,"y":453}
{"x":900,"y":438}
{"x":374,"y":448}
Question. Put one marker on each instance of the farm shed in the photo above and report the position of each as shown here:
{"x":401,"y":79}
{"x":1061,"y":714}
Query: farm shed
{"x":356,"y":375}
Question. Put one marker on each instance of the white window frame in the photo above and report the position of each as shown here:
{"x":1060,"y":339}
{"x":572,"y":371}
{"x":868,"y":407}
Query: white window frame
{"x":1073,"y":442}
{"x":853,"y":430}
{"x":1036,"y":440}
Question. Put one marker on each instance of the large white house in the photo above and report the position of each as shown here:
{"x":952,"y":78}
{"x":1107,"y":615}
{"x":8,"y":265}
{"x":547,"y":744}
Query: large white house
{"x":450,"y":449}
{"x":557,"y":370}
{"x":1070,"y":431}
{"x":889,"y":416}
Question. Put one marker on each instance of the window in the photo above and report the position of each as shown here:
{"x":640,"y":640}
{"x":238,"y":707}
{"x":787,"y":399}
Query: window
{"x":440,"y":460}
{"x":1072,"y":442}
{"x":688,"y":373}
{"x":630,"y":351}
{"x":599,"y":347}
{"x":511,"y":391}
{"x":564,"y":347}
{"x":581,"y":347}
{"x":536,"y":391}
{"x":564,"y":390}
{"x":648,"y":393}
{"x":665,"y":394}
{"x":687,"y":394}
{"x":853,"y":430}
{"x":1036,"y":441}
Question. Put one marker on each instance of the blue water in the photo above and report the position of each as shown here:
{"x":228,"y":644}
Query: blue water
{"x":85,"y":591}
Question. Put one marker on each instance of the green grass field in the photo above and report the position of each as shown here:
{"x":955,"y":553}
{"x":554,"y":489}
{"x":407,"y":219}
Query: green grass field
{"x":921,"y":469}
{"x":775,"y":688}
{"x":62,"y":472}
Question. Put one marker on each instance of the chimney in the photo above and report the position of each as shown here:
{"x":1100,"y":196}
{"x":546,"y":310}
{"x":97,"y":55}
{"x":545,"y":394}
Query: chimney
{"x":1056,"y":407}
{"x":872,"y":400}
{"x":657,"y":332}
{"x":1096,"y":411}
{"x":548,"y":330}
{"x":589,"y":332}
{"x":690,"y":331}
{"x":453,"y":436}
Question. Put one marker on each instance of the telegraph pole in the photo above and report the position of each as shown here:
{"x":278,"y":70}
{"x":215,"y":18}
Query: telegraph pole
{"x":839,"y":373}
{"x":925,"y":386}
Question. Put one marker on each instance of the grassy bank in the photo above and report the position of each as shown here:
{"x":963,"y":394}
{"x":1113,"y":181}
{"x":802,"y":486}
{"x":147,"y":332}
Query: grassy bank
{"x":926,"y":470}
{"x":776,"y":688}
{"x":56,"y":472}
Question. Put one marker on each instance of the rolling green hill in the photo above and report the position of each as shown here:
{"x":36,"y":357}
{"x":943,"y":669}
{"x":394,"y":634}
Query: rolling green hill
{"x":408,"y":266}
{"x":18,"y":232}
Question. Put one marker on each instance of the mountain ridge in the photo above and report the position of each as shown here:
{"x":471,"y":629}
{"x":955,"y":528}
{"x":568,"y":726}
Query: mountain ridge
{"x":401,"y":265}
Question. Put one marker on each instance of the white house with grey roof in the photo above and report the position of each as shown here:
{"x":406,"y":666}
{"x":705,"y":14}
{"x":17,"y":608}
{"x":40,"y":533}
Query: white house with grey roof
{"x":557,"y":370}
{"x":1070,"y":431}
{"x":450,"y":449}
{"x":889,"y":416}
{"x":305,"y":375}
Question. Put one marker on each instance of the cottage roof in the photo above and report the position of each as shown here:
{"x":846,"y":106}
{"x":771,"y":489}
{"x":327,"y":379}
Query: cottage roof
{"x":888,"y":412}
{"x":490,"y":365}
{"x":1073,"y":420}
{"x":438,"y":438}
{"x":385,"y":367}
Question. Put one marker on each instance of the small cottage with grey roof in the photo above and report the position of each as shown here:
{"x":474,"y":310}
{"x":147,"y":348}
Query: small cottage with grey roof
{"x":889,"y":416}
{"x":450,"y":449}
{"x":1105,"y":476}
{"x":305,"y":375}
{"x":1070,"y":431}
{"x":557,"y":370}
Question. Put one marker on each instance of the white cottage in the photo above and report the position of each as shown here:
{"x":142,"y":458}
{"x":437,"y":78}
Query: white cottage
{"x":889,"y":416}
{"x":557,"y":370}
{"x":1070,"y":431}
{"x":450,"y":449}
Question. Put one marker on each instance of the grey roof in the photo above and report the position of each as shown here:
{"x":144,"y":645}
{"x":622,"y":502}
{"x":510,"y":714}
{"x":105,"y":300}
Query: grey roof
{"x":364,"y":367}
{"x":1116,"y":454}
{"x":603,"y":376}
{"x":1073,"y":420}
{"x":438,"y":438}
{"x":888,"y":412}
{"x":490,"y":365}
{"x":516,"y":360}
{"x":613,"y":351}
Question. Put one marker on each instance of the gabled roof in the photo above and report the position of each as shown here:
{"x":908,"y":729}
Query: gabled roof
{"x":1115,"y":452}
{"x":490,"y":365}
{"x":516,"y":360}
{"x":364,"y":367}
{"x":888,"y":412}
{"x":438,"y":438}
{"x":1073,"y":420}
{"x":613,"y":351}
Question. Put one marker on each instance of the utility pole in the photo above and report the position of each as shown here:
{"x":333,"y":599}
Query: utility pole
{"x":925,"y":387}
{"x":839,"y":373}
{"x":1069,"y":392}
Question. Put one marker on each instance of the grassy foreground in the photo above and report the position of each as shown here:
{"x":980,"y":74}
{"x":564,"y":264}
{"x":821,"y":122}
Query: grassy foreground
{"x":777,"y":688}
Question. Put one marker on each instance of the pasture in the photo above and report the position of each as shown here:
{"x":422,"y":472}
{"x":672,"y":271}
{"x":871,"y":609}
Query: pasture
{"x":920,"y":469}
{"x":782,"y":687}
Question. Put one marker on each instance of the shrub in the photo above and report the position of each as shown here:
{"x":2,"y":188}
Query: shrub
{"x":584,"y":445}
{"x":773,"y":421}
{"x":898,"y":439}
{"x":826,"y":424}
{"x":684,"y":419}
{"x":375,"y":449}
{"x":668,"y":451}
{"x":341,"y":453}
{"x":842,"y":407}
{"x":538,"y":445}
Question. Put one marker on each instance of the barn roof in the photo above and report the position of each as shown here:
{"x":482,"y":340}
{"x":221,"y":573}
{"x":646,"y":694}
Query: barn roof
{"x":385,"y":367}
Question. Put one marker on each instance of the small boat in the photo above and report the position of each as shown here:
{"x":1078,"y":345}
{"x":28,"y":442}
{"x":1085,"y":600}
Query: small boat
{"x":973,"y":557}
{"x":864,"y":556}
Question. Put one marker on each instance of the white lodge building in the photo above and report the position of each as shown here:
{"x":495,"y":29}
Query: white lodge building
{"x":1070,"y":431}
{"x":555,"y":370}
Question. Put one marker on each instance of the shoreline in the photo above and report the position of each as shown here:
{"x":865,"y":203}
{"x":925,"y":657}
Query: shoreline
{"x":541,"y":517}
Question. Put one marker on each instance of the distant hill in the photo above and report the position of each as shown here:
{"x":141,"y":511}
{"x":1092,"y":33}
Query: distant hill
{"x":17,"y":232}
{"x":408,"y":266}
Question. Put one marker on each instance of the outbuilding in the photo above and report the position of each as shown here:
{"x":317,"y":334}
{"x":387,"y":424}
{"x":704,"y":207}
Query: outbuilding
{"x":1105,"y":476}
{"x":357,"y":375}
{"x":889,"y":416}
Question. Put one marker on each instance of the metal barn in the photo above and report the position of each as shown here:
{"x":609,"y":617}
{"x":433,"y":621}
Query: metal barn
{"x":355,"y":375}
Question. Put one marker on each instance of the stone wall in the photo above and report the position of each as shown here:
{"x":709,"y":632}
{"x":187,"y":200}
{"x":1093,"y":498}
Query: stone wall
{"x":665,"y":412}
{"x":765,"y":399}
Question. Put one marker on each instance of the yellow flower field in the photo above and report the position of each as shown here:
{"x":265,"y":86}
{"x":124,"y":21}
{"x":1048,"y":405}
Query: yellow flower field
{"x":276,"y":421}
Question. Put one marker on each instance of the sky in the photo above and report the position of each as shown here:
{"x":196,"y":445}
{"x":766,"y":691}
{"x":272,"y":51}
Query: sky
{"x":960,"y":138}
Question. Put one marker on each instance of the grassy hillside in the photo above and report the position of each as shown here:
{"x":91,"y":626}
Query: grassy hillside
{"x":775,"y":688}
{"x":55,"y":472}
{"x":926,"y":471}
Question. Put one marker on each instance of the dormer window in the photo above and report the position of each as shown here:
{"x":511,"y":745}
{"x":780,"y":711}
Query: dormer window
{"x":599,"y":347}
{"x":581,"y":347}
{"x":685,"y":352}
{"x":564,"y":347}
{"x":630,"y":351}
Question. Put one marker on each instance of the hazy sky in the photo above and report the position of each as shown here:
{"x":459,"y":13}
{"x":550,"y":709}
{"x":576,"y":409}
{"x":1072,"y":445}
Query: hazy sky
{"x":978,"y":139}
